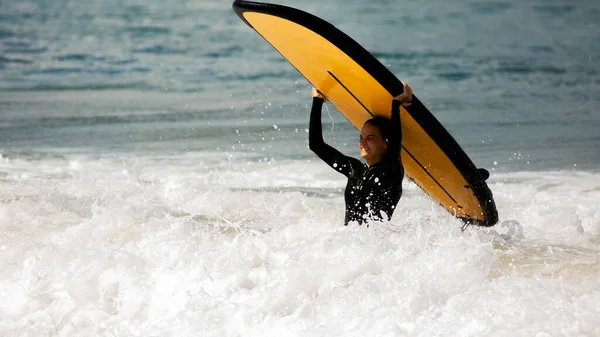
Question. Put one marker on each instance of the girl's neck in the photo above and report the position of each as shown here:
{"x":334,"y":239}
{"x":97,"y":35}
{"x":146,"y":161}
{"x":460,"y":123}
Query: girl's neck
{"x":373,"y":161}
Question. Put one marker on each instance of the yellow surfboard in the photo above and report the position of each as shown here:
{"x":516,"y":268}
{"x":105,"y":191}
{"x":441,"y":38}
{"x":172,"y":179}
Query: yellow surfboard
{"x":360,"y":87}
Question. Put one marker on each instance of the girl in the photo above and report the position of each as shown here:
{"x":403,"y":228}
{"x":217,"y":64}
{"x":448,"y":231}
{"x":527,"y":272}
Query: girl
{"x":375,"y":187}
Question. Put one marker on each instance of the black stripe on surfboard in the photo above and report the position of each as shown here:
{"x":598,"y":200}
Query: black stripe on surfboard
{"x":350,"y":92}
{"x":410,"y":154}
{"x":432,"y":177}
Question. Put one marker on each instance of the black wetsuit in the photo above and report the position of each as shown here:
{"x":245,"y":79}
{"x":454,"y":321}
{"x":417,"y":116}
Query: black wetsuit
{"x":370,"y":191}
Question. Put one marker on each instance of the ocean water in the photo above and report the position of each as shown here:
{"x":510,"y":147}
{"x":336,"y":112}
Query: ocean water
{"x":155,"y":178}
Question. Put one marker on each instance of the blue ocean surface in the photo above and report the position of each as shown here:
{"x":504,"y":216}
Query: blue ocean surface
{"x":155,"y":177}
{"x":516,"y":83}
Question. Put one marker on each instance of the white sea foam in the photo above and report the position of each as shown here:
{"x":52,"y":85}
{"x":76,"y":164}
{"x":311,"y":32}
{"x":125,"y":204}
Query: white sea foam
{"x":215,"y":246}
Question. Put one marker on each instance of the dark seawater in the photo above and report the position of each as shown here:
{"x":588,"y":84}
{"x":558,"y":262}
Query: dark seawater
{"x":516,"y":83}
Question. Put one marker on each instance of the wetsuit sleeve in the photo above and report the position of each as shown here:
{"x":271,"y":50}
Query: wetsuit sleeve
{"x":396,"y":137}
{"x":328,"y":154}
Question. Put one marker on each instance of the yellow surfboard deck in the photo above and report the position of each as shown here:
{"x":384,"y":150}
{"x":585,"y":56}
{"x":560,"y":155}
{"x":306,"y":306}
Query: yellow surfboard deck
{"x":360,"y":87}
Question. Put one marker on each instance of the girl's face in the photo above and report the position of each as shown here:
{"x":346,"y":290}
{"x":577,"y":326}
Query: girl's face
{"x":372,"y":146}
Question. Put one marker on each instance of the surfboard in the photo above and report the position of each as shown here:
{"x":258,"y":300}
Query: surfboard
{"x":360,"y":87}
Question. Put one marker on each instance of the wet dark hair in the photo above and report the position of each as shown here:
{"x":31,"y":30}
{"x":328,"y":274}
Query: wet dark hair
{"x":383,"y":125}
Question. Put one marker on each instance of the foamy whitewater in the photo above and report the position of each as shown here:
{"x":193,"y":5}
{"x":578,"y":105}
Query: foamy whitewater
{"x":155,"y":178}
{"x":190,"y":246}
